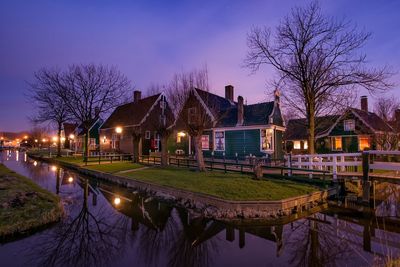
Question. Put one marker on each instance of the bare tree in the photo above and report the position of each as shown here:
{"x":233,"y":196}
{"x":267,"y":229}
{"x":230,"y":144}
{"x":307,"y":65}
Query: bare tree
{"x":385,"y":107}
{"x":51,"y":107}
{"x":318,"y":62}
{"x":181,"y":92}
{"x":91,"y":90}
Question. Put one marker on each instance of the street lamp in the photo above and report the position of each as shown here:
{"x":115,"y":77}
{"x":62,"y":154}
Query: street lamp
{"x":118,"y":130}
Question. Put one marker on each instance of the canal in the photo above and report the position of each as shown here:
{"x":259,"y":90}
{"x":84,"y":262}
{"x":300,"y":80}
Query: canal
{"x":107,"y":225}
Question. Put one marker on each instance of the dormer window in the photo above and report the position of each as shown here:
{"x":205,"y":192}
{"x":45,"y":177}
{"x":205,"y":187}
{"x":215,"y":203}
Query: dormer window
{"x":349,"y":125}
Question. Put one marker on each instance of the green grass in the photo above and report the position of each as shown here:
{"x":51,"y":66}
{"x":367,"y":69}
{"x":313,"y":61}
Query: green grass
{"x":24,"y":205}
{"x":230,"y":186}
{"x":114,"y":167}
{"x":72,"y":160}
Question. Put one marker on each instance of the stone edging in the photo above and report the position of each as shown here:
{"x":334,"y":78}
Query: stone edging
{"x":208,"y":205}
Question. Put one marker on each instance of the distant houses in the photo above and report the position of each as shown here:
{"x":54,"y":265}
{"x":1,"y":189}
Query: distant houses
{"x":352,"y":131}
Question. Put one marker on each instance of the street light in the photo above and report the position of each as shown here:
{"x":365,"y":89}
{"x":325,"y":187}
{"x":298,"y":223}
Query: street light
{"x":118,"y":130}
{"x":71,"y":136}
{"x":117,"y":201}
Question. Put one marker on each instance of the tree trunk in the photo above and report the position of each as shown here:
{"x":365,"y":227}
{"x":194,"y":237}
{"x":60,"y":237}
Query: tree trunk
{"x":86,"y":150}
{"x":136,"y":148}
{"x":164,"y":150}
{"x":59,"y":141}
{"x":311,"y":129}
{"x":199,"y":153}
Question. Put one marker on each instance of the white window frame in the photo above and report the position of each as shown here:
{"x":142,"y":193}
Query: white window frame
{"x":147,"y":135}
{"x":351,"y":121}
{"x":215,"y":140}
{"x":296,"y":142}
{"x":272,"y":139}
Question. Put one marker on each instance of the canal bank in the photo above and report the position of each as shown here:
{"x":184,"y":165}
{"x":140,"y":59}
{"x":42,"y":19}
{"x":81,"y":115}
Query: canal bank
{"x":25,"y":207}
{"x":206,"y":204}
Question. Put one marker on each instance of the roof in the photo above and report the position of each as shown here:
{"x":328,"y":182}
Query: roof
{"x":80,"y":130}
{"x":372,"y":120}
{"x":131,"y":113}
{"x":255,"y":114}
{"x":296,"y":129}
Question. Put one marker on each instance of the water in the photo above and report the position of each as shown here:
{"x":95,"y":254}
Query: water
{"x":107,"y":225}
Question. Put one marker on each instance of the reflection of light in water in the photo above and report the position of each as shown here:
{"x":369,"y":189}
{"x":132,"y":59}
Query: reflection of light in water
{"x":35,"y":163}
{"x":17,"y":155}
{"x":117,"y":201}
{"x":53,"y":168}
{"x":70,"y":179}
{"x":25,"y":157}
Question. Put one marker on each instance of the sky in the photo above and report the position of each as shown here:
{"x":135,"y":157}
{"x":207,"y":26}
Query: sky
{"x":149,"y":41}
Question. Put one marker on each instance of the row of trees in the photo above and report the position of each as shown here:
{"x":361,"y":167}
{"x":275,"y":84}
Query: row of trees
{"x":80,"y":94}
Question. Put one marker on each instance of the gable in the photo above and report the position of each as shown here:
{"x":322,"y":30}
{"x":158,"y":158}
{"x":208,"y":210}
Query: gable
{"x":359,"y":129}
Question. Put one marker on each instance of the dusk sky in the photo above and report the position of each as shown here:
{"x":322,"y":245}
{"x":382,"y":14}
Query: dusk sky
{"x":151,"y":40}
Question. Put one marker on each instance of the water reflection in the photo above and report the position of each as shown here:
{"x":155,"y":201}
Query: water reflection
{"x":111,"y":225}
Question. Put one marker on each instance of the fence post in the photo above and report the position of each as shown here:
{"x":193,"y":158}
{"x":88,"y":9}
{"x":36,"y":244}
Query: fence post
{"x":299,"y":161}
{"x":343,"y":167}
{"x":366,"y":183}
{"x":334,"y":167}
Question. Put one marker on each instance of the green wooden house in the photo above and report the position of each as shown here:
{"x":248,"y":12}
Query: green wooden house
{"x":232,"y":129}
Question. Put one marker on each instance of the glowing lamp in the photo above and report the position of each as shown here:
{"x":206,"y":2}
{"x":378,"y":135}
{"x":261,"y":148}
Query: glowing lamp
{"x":70,"y":179}
{"x":25,"y":137}
{"x":54,"y":138}
{"x":71,"y":136}
{"x":53,"y":168}
{"x":44,"y":140}
{"x":181,"y":134}
{"x":35,"y":163}
{"x":36,"y":140}
{"x":118,"y":130}
{"x":117,"y":201}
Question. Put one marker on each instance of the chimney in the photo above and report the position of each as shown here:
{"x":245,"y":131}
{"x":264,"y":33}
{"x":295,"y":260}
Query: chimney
{"x":240,"y":112}
{"x":364,"y":103}
{"x":397,"y":115}
{"x":229,"y":92}
{"x":137,"y":95}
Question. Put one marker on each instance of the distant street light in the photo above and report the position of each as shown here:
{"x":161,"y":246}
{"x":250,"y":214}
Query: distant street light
{"x":117,"y":201}
{"x":36,"y":140}
{"x":71,"y":136}
{"x":118,"y":130}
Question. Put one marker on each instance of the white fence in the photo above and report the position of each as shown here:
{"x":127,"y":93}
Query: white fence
{"x":346,"y":162}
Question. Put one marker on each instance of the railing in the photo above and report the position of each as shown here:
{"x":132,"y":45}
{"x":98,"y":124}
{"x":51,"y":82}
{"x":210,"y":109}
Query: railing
{"x":109,"y":157}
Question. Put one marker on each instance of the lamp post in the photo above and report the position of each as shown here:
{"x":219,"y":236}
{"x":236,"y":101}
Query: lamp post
{"x":118,"y":130}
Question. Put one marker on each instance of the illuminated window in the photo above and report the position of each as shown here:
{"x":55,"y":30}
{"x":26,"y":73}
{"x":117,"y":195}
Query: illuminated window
{"x":219,"y":141}
{"x":179,"y":136}
{"x":363,"y":143}
{"x":296,"y":145}
{"x":205,"y":142}
{"x":337,"y":143}
{"x":305,"y":145}
{"x":349,"y":125}
{"x":266,"y":139}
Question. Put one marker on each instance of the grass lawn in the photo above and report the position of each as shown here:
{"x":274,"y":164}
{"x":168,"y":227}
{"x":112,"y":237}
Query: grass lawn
{"x":72,"y":160}
{"x":230,"y":186}
{"x":114,"y":167}
{"x":24,"y":205}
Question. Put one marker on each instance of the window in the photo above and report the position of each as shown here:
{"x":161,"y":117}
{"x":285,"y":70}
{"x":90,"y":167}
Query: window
{"x":337,"y":143}
{"x":163,"y":104}
{"x":147,"y":135}
{"x":296,"y":145}
{"x":192,"y":115}
{"x":114,"y":139}
{"x":349,"y":125}
{"x":305,"y":145}
{"x":266,"y":139}
{"x":205,"y":142}
{"x":179,"y":136}
{"x":219,"y":141}
{"x":363,"y":143}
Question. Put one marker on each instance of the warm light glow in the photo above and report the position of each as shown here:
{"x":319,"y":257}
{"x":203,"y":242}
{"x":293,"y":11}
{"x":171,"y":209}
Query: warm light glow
{"x":181,"y":134}
{"x":71,"y":136}
{"x":44,"y":140}
{"x":363,"y":143}
{"x":296,"y":145}
{"x":53,"y":168}
{"x":54,"y":138}
{"x":2,"y":138}
{"x":36,"y":140}
{"x":70,"y":180}
{"x":35,"y":163}
{"x":118,"y":130}
{"x":62,"y":139}
{"x":117,"y":201}
{"x":25,"y":137}
{"x":17,"y":139}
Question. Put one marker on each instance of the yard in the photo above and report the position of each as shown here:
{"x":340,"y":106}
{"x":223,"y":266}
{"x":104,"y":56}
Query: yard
{"x":24,"y":205}
{"x":114,"y":167}
{"x":230,"y":186}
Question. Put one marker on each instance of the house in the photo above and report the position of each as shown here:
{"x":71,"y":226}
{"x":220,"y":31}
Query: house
{"x":67,"y":134}
{"x":352,"y":131}
{"x":230,"y":129}
{"x":135,"y":127}
{"x":79,"y":134}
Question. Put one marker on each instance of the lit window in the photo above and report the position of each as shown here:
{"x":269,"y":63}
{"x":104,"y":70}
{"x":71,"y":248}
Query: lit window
{"x":363,"y":143}
{"x":349,"y":125}
{"x":266,"y":139}
{"x":205,"y":142}
{"x":337,"y":143}
{"x":296,"y":145}
{"x":219,"y":141}
{"x":179,"y":137}
{"x":305,"y":145}
{"x":147,"y":135}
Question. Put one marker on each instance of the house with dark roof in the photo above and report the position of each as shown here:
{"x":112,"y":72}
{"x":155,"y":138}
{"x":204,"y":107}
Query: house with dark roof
{"x":232,"y":129}
{"x":134,"y":127}
{"x":352,"y":131}
{"x":77,"y":143}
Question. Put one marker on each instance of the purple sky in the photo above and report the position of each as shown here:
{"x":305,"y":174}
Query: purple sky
{"x":151,"y":40}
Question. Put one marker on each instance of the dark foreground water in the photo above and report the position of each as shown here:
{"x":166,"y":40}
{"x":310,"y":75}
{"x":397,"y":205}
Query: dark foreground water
{"x":107,"y":225}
